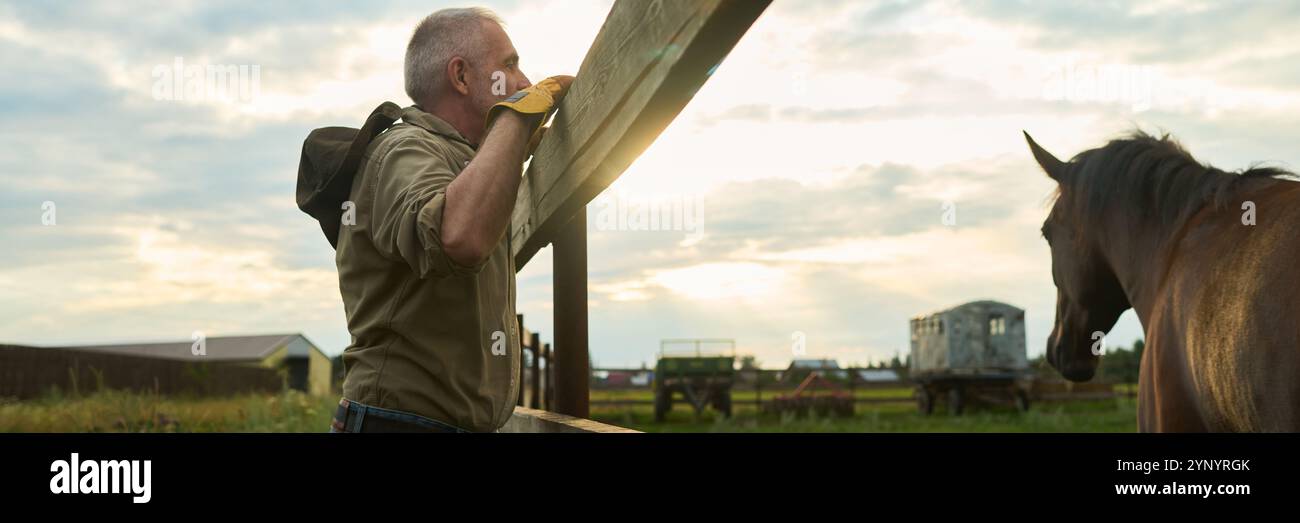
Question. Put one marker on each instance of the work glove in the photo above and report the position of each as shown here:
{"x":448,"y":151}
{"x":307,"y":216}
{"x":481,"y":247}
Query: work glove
{"x":539,"y":100}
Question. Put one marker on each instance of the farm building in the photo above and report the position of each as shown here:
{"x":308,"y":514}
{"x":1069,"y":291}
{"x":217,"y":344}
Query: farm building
{"x":622,"y":377}
{"x":878,"y":375}
{"x":800,"y":368}
{"x":229,"y":364}
{"x":973,"y":338}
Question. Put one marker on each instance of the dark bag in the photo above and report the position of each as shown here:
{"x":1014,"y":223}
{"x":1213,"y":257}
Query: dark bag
{"x":331,"y":157}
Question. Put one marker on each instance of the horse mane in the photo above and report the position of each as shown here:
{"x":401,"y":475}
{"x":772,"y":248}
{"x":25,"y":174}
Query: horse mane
{"x":1154,"y":176}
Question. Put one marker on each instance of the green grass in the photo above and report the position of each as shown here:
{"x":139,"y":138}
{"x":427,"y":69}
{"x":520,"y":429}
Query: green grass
{"x":119,"y":411}
{"x":747,"y":395}
{"x":1117,"y":415}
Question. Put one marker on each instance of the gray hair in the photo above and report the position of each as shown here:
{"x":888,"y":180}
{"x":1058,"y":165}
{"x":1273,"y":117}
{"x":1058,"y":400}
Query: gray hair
{"x":445,"y":34}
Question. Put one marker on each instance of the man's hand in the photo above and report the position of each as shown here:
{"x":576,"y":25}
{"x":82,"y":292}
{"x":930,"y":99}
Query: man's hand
{"x":482,"y":197}
{"x":534,"y":103}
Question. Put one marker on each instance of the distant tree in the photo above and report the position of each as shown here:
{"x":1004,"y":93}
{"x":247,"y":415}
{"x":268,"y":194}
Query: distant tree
{"x":1122,"y":365}
{"x":748,"y":362}
{"x":1044,"y":370}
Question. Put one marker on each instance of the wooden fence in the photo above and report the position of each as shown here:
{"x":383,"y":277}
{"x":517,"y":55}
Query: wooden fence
{"x":1040,"y":390}
{"x":27,"y":372}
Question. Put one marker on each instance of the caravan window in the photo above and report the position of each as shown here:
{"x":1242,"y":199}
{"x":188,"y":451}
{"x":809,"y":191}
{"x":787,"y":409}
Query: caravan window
{"x":997,"y":325}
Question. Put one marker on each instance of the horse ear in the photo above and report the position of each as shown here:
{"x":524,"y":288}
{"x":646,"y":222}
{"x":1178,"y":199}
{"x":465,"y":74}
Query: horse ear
{"x":1053,"y":167}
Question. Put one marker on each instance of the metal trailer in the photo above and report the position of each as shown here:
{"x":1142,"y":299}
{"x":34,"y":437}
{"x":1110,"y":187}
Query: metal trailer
{"x":701,"y":378}
{"x":974,"y":351}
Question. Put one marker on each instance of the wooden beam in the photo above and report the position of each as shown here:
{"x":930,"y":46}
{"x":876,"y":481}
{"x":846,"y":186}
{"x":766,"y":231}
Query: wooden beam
{"x":523,"y":343}
{"x":548,"y":392}
{"x":648,"y":60}
{"x":569,"y":286}
{"x":535,"y":342}
{"x":533,"y":421}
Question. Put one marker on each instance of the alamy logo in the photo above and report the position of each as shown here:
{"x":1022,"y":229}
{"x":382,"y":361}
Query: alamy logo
{"x":206,"y":82}
{"x":102,"y":477}
{"x":498,"y":343}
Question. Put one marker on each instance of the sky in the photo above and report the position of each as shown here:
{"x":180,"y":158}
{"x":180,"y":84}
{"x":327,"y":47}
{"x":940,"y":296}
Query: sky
{"x":850,"y":165}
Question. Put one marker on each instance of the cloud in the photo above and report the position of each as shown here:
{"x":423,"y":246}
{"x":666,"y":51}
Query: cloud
{"x":846,"y":261}
{"x":175,"y":215}
{"x":168,"y":275}
{"x":824,"y":153}
{"x":1179,"y":32}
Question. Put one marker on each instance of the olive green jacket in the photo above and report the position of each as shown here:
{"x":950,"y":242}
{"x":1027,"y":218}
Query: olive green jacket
{"x":429,"y":336}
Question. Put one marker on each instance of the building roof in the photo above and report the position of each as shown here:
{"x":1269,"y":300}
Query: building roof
{"x":814,"y":364}
{"x":970,"y":305}
{"x":217,"y":348}
{"x":878,"y":375}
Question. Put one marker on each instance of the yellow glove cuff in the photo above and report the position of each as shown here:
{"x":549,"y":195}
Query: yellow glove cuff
{"x":537,"y":99}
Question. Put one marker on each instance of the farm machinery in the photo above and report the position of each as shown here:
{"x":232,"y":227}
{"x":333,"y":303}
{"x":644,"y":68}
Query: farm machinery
{"x":814,"y":395}
{"x":701,"y":378}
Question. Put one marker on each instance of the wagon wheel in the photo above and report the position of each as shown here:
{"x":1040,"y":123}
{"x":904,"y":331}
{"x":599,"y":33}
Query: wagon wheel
{"x":724,"y":404}
{"x":956,"y":401}
{"x":844,"y":407}
{"x":924,"y":401}
{"x":663,"y":403}
{"x":1022,"y":400}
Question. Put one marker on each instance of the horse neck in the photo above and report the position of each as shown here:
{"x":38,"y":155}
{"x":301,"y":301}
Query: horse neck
{"x":1139,"y":252}
{"x":1140,"y":249}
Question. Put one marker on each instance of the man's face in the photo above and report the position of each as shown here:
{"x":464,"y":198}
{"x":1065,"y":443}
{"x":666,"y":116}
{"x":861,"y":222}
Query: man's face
{"x":496,"y":76}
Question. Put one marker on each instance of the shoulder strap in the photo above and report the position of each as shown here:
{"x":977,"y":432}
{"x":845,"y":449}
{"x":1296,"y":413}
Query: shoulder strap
{"x":330,"y":159}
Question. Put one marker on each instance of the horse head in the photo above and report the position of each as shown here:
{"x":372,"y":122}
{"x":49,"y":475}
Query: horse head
{"x":1089,"y":297}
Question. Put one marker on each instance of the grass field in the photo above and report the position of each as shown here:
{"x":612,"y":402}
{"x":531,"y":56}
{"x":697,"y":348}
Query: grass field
{"x":1116,"y":415}
{"x":117,"y":411}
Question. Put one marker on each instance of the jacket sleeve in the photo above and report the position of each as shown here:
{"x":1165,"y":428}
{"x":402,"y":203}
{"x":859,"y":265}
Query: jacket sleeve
{"x":410,"y":193}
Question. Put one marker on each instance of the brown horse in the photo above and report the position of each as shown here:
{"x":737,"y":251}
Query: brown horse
{"x":1206,"y":258}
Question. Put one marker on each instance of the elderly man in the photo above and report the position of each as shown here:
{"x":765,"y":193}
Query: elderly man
{"x":425,"y":268}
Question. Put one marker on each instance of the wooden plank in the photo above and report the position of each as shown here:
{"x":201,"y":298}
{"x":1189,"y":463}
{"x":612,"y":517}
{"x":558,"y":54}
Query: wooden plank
{"x":646,"y":63}
{"x":569,"y":289}
{"x":752,"y":402}
{"x":535,"y":400}
{"x":526,"y":420}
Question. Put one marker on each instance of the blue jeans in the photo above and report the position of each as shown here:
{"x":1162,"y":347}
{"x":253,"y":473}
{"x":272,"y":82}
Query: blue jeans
{"x":357,"y":417}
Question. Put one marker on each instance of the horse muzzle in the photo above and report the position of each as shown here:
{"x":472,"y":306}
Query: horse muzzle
{"x":1069,"y":363}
